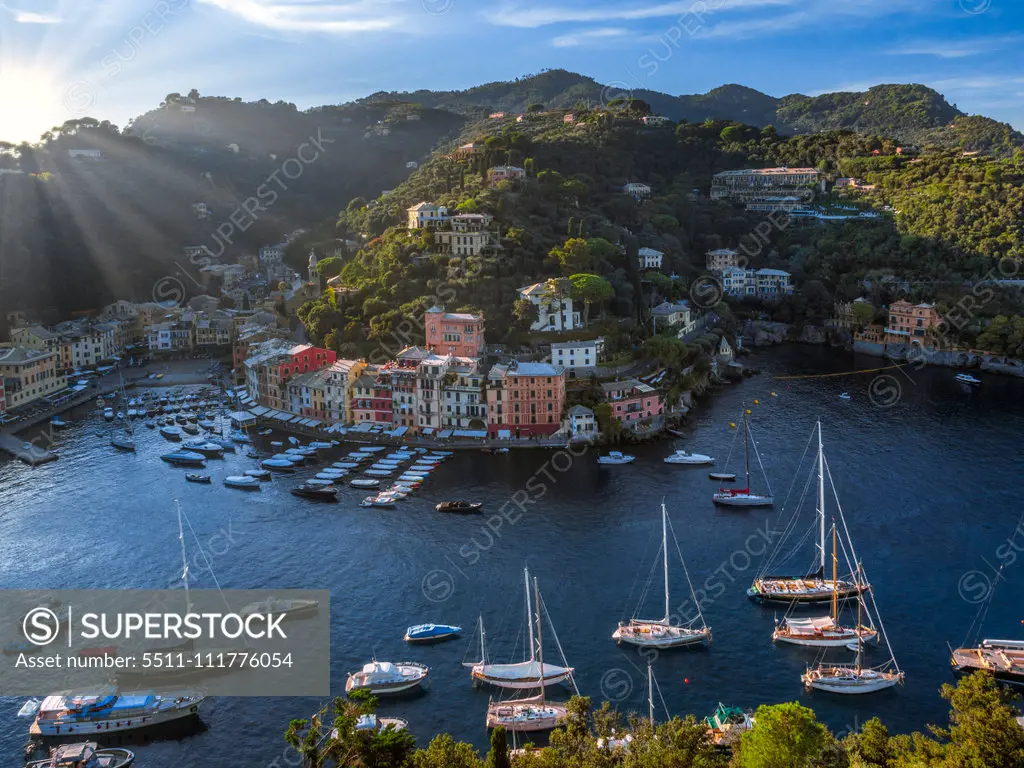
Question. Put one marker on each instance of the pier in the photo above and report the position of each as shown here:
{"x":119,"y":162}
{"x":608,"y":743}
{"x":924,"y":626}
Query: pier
{"x":28,"y":452}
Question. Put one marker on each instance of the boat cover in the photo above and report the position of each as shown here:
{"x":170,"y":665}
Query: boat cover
{"x":810,"y":626}
{"x":524,"y":670}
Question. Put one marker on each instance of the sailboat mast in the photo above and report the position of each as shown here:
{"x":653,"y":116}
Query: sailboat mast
{"x":860,"y":605}
{"x":529,"y":613}
{"x":835,"y":588}
{"x":184,"y":560}
{"x":483,"y":642}
{"x":540,"y":646}
{"x":746,"y":447}
{"x":821,"y":499}
{"x":650,"y":693}
{"x":664,"y":555}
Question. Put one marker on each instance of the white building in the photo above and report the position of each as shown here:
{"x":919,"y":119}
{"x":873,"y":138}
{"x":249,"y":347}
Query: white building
{"x":656,"y":121}
{"x":582,"y":423}
{"x":465,"y":399}
{"x":578,"y":357}
{"x":650,"y":258}
{"x":430,"y":375}
{"x":760,"y":283}
{"x":554,"y":312}
{"x":676,"y":315}
{"x":425,"y":214}
{"x":637,"y":190}
{"x":720,"y":258}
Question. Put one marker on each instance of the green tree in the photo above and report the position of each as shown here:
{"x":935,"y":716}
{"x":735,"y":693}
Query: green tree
{"x":526,"y":312}
{"x":984,"y":730}
{"x":732,"y":133}
{"x":573,"y":256}
{"x":498,"y":755}
{"x":445,"y":752}
{"x":534,"y":108}
{"x":590,"y":289}
{"x":784,"y":736}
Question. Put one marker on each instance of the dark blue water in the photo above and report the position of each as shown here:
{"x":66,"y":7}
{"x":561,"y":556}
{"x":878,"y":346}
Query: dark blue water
{"x":929,"y":487}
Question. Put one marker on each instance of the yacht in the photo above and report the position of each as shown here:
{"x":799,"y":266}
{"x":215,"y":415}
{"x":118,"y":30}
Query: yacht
{"x":683,"y":457}
{"x":615,"y":457}
{"x":109,"y":711}
{"x":384,"y":677}
{"x":966,"y":378}
{"x":431,"y":633}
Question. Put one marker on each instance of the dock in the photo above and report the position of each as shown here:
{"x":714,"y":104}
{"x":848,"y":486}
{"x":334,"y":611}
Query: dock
{"x":29,"y":453}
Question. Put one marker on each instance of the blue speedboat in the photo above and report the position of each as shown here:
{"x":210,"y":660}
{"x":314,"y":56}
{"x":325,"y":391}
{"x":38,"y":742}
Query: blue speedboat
{"x":431,"y":633}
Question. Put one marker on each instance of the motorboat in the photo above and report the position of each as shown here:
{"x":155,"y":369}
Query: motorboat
{"x":616,"y":457}
{"x":295,"y":441}
{"x":345,"y":465}
{"x":379,"y":472}
{"x":277,"y":443}
{"x":58,"y":423}
{"x":845,"y":396}
{"x":365,"y":482}
{"x":171,"y":433}
{"x":108,"y":414}
{"x":212,"y":450}
{"x":722,"y":477}
{"x":411,"y":478}
{"x":85,"y":755}
{"x":185,"y":458}
{"x":265,"y":432}
{"x":314,"y":483}
{"x":382,"y":678}
{"x":243,"y":482}
{"x":431,"y":633}
{"x":378,"y":501}
{"x":259,"y":474}
{"x":109,"y":711}
{"x":316,"y":444}
{"x":207,"y":424}
{"x":192,"y":477}
{"x":684,"y":457}
{"x":727,"y":725}
{"x":459,"y":507}
{"x":190,"y":429}
{"x":273,"y":606}
{"x":239,"y":437}
{"x":315,"y":493}
{"x":372,"y":448}
{"x":966,"y":378}
{"x":277,"y":465}
{"x":329,"y":476}
{"x":123,"y":442}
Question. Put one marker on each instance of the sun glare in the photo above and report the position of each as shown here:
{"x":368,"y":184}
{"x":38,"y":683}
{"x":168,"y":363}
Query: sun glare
{"x":30,"y":104}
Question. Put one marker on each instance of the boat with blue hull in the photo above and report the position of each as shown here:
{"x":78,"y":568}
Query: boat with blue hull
{"x":431,"y":633}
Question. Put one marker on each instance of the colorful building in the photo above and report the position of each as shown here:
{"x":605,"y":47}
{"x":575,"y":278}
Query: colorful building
{"x":403,"y":374}
{"x":29,"y":375}
{"x":525,"y":399}
{"x":454,"y":333}
{"x":632,"y":401}
{"x":465,"y":396}
{"x":371,"y":398}
{"x":910,"y":323}
{"x":340,"y":378}
{"x":554,"y":311}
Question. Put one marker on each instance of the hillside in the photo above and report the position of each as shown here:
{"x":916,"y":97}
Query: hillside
{"x":907,"y":113}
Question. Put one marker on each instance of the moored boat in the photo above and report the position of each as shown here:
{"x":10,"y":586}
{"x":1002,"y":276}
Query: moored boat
{"x":85,"y":755}
{"x":109,"y":711}
{"x":365,"y":482}
{"x":727,"y":724}
{"x":379,"y":500}
{"x":242,"y":482}
{"x":1003,"y":659}
{"x":185,"y":459}
{"x":459,"y":507}
{"x":315,"y":493}
{"x":431,"y":633}
{"x":383,"y":678}
{"x":966,"y":378}
{"x":278,"y":465}
{"x":691,"y":459}
{"x":615,"y":457}
{"x":192,"y":477}
{"x":259,"y":474}
{"x":287,"y":607}
{"x":171,"y":433}
{"x":745,"y":497}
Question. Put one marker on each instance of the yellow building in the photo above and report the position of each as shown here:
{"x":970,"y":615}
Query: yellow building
{"x":29,"y":375}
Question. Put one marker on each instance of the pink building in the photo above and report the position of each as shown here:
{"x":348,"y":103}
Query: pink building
{"x":632,"y":401}
{"x":448,"y":333}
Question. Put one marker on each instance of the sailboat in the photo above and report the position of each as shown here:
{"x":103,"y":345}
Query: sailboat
{"x":855,"y":678}
{"x":814,"y":588}
{"x":126,"y":440}
{"x":661,"y":633}
{"x":533,"y":713}
{"x":744,"y":497}
{"x":824,"y":632}
{"x":616,"y":742}
{"x":524,"y":674}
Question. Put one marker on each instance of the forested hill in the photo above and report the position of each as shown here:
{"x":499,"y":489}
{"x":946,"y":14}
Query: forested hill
{"x":908,"y":113}
{"x":77,"y":232}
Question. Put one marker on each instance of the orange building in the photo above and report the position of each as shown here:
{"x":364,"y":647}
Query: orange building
{"x":525,"y":399}
{"x":449,"y":333}
{"x":910,"y":324}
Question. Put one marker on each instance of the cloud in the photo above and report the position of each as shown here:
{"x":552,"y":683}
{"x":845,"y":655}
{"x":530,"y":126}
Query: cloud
{"x":510,"y":15}
{"x":31,"y":17}
{"x":340,"y":18}
{"x":954,"y":49}
{"x":601,"y":35}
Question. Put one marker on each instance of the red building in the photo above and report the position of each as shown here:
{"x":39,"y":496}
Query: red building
{"x":525,"y":399}
{"x":274,"y":363}
{"x":632,"y":401}
{"x":371,"y":398}
{"x":450,"y":333}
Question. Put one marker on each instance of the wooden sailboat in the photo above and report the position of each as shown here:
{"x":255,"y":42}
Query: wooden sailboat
{"x":825,"y":631}
{"x":661,"y":633}
{"x":855,"y":678}
{"x":524,"y":674}
{"x":744,"y":497}
{"x":813,"y":588}
{"x":533,"y":713}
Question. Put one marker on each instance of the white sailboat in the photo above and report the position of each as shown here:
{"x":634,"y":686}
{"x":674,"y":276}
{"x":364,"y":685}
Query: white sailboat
{"x":744,"y":497}
{"x":533,"y":713}
{"x":524,"y":674}
{"x":661,"y":633}
{"x":813,"y":588}
{"x":824,"y":631}
{"x":126,"y":440}
{"x":855,"y":678}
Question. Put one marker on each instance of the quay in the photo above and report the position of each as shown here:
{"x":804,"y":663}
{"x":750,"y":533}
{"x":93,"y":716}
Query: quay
{"x":30,"y":453}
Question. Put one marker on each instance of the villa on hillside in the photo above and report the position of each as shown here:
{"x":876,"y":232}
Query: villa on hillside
{"x":637,"y":191}
{"x":720,"y":258}
{"x":579,"y":358}
{"x":632,"y":401}
{"x":454,"y":333}
{"x":505,"y":173}
{"x":554,"y":312}
{"x":910,"y":323}
{"x":649,"y":258}
{"x":424,"y":215}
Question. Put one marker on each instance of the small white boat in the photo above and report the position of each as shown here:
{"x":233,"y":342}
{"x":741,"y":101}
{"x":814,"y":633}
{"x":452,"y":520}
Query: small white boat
{"x":240,"y":437}
{"x":277,"y":443}
{"x":365,"y":482}
{"x":185,"y":458}
{"x":278,"y":465}
{"x":273,"y":606}
{"x":108,"y":414}
{"x":845,"y":396}
{"x":377,"y":723}
{"x":316,"y":444}
{"x":379,"y":472}
{"x":616,"y":457}
{"x":345,"y":465}
{"x":370,"y":448}
{"x":407,"y":478}
{"x":123,"y":442}
{"x":171,"y":433}
{"x":384,"y":677}
{"x":443,"y":453}
{"x":966,"y":378}
{"x":683,"y":457}
{"x":212,"y":450}
{"x":378,"y":501}
{"x":58,"y":423}
{"x":314,"y":483}
{"x":244,"y":482}
{"x":326,"y":476}
{"x":294,"y":441}
{"x":259,"y":474}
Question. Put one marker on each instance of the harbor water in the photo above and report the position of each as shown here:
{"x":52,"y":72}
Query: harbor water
{"x":927,"y":471}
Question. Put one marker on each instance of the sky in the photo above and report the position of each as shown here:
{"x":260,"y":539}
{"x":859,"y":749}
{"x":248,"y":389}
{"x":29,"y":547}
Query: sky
{"x":115,"y":59}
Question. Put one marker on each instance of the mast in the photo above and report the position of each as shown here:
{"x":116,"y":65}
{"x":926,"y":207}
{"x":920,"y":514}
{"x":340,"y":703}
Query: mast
{"x":821,"y":500}
{"x":664,"y":554}
{"x":746,"y":448}
{"x":540,"y":646}
{"x":529,"y":613}
{"x":184,"y":559}
{"x":835,"y":589}
{"x":483,"y":642}
{"x":650,"y":693}
{"x":860,"y":604}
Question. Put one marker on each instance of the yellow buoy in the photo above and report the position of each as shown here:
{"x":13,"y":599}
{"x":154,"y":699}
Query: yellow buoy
{"x":748,"y":411}
{"x":773,"y":394}
{"x":757,"y":402}
{"x":732,"y":425}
